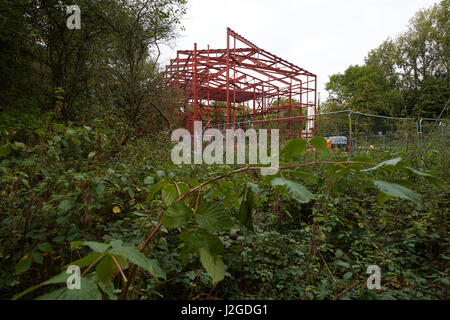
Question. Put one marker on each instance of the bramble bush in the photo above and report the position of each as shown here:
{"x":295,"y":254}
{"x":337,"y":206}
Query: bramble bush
{"x":141,"y":227}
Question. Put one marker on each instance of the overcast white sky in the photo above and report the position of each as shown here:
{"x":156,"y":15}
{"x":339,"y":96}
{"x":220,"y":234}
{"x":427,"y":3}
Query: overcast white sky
{"x":321,"y":36}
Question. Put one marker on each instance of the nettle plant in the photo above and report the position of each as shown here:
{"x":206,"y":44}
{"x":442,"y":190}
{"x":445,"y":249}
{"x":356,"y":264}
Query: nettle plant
{"x":190,"y":209}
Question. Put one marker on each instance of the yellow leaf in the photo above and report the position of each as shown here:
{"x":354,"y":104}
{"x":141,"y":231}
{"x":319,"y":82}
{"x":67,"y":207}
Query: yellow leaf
{"x":116,"y":209}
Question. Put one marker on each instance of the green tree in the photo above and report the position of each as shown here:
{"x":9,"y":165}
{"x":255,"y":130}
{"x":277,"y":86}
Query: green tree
{"x":406,"y":76}
{"x":423,"y":61}
{"x":364,"y":89}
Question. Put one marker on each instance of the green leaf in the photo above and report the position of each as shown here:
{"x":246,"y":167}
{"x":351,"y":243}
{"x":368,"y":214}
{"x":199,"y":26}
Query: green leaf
{"x":213,"y":217}
{"x":347,"y":275}
{"x":59,"y":278}
{"x":294,"y":189}
{"x":391,"y":162}
{"x":382,"y":197}
{"x":319,"y":143}
{"x":183,"y":188}
{"x":26,"y":183}
{"x":149,"y":180}
{"x":397,"y":191}
{"x":85,"y":261}
{"x":208,"y":248}
{"x":420,"y":173}
{"x":156,"y":269}
{"x":213,"y":265}
{"x":192,"y":182}
{"x":437,"y":182}
{"x":169,"y":194}
{"x":97,"y":246}
{"x":106,"y":269}
{"x":100,"y":189}
{"x":88,"y":291}
{"x":18,"y":146}
{"x":303,"y":175}
{"x":76,"y":244}
{"x":178,"y":214}
{"x":342,"y":264}
{"x":116,"y":243}
{"x":37,"y":257}
{"x":45,"y":247}
{"x":155,"y":189}
{"x":194,"y":240}
{"x":246,"y":209}
{"x":430,"y":178}
{"x":23,"y":265}
{"x":66,"y":205}
{"x":293,"y":148}
{"x":5,"y":150}
{"x":108,"y":288}
{"x":136,"y":257}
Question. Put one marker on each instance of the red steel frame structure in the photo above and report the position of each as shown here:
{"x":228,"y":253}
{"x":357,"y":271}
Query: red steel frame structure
{"x":241,"y":86}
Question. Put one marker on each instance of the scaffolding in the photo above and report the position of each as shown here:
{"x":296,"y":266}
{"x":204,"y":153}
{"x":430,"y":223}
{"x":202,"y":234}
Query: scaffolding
{"x":241,"y":86}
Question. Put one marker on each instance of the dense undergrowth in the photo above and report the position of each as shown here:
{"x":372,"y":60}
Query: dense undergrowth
{"x":93,"y":194}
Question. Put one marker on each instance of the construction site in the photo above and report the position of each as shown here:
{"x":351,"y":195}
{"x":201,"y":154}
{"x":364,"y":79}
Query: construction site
{"x":240,"y":86}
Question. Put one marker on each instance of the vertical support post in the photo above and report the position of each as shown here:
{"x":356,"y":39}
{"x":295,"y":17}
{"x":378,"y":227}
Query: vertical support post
{"x":350,"y":140}
{"x":262,"y":106}
{"x":290,"y":110}
{"x":420,"y":133}
{"x":228,"y":78}
{"x":300,"y":106}
{"x":254,"y":105}
{"x":234,"y":85}
{"x":315,"y":104}
{"x":195,"y":89}
{"x":177,"y":81}
{"x":207,"y":83}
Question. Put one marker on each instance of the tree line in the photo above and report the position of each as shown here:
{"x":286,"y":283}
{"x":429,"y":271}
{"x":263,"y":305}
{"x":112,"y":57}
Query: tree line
{"x":111,"y":63}
{"x":406,"y":76}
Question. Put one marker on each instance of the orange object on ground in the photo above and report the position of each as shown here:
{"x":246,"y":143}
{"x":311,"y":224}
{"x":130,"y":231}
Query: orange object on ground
{"x":329,"y":143}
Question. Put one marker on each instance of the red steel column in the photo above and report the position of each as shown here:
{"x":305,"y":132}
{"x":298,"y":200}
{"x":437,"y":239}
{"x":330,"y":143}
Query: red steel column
{"x":195,"y":89}
{"x":234,"y":85}
{"x":301,"y":109}
{"x":315,"y":104}
{"x":290,"y":110}
{"x":254,"y":106}
{"x":207,"y":83}
{"x":228,"y":78}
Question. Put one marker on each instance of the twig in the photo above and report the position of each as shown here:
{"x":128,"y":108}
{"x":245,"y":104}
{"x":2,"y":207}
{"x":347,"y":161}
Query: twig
{"x":348,"y":289}
{"x":120,"y":269}
{"x":178,"y":189}
{"x":198,"y":198}
{"x":326,"y":265}
{"x":92,"y":264}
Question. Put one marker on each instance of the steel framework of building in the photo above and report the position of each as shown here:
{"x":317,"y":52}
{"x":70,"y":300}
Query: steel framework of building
{"x":241,"y":86}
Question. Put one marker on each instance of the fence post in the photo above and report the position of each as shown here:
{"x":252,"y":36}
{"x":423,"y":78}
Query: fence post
{"x":420,"y":137}
{"x":350,"y":140}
